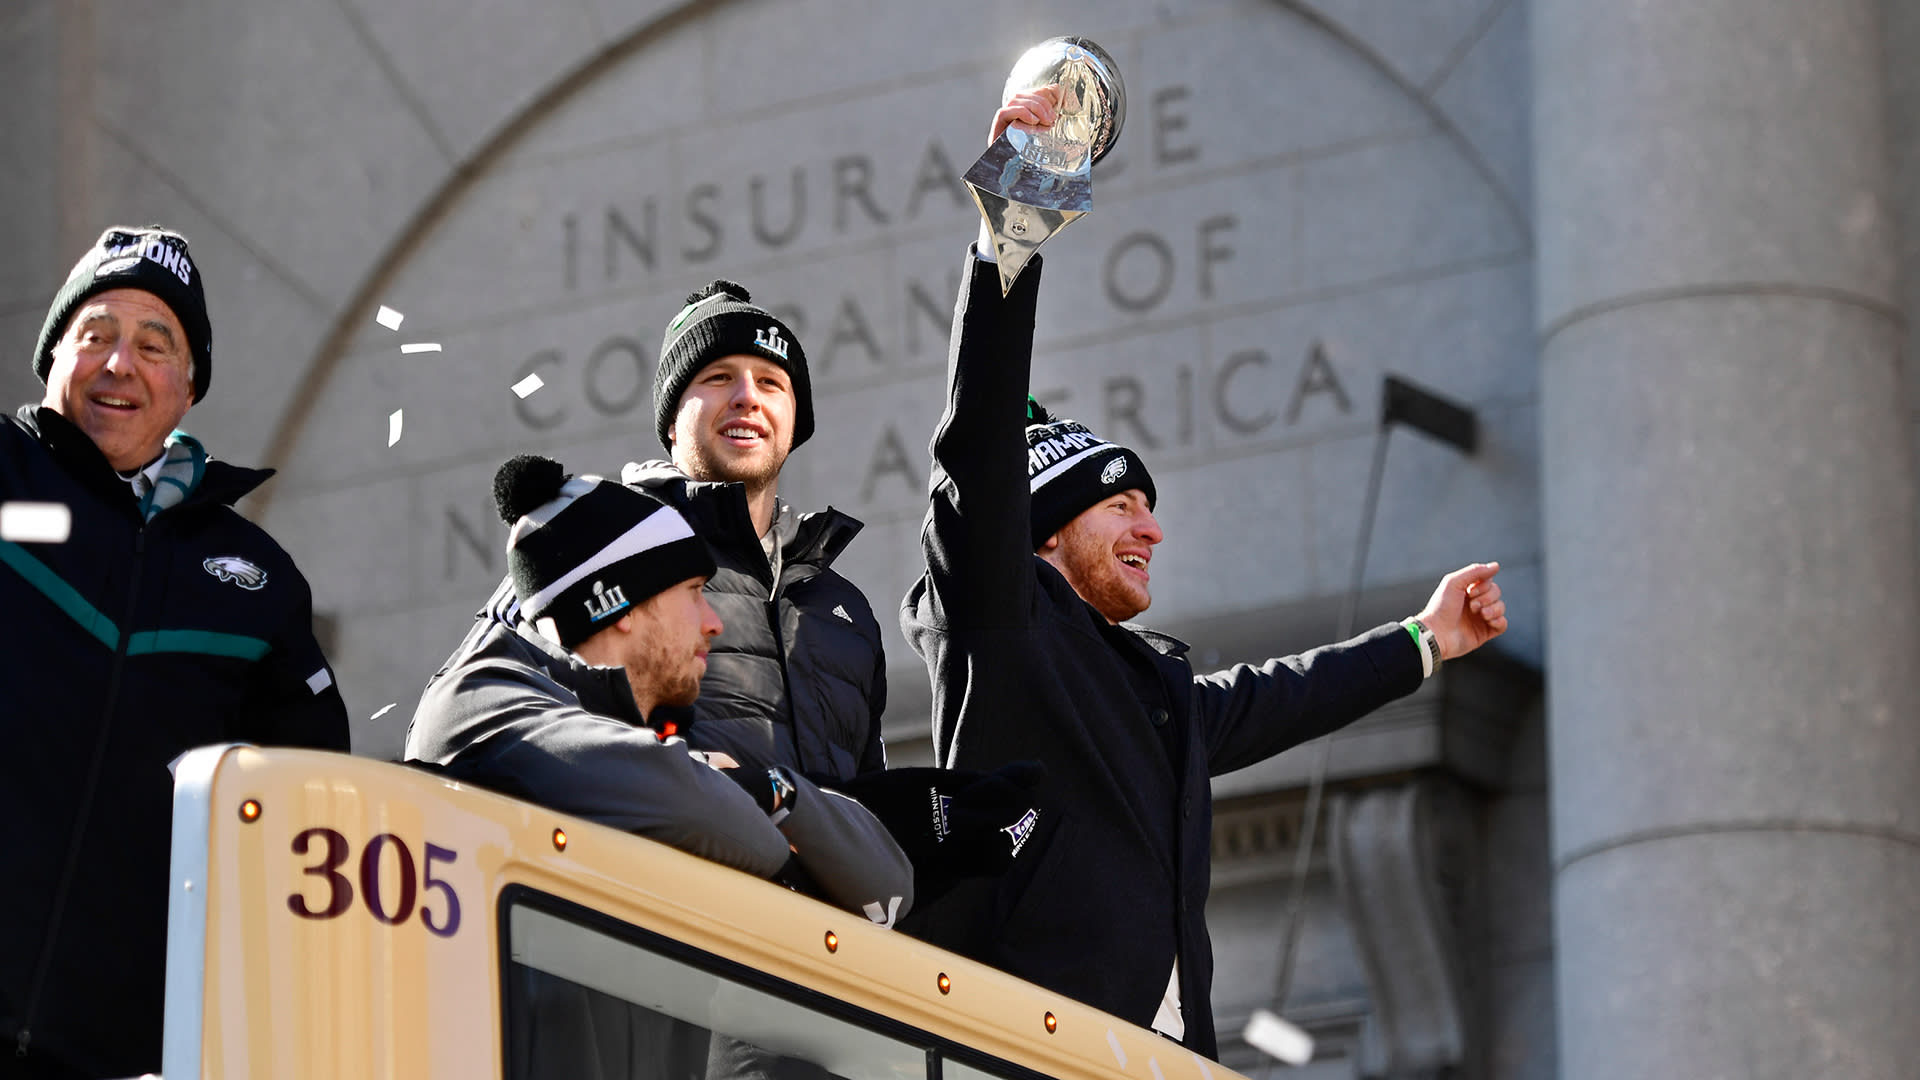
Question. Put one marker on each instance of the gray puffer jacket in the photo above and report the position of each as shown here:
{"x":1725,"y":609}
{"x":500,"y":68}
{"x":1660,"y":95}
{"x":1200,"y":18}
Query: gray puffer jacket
{"x":516,"y":713}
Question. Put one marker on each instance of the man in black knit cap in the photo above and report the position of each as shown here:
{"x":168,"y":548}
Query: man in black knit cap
{"x":162,"y":620}
{"x":1038,"y":543}
{"x":557,"y":700}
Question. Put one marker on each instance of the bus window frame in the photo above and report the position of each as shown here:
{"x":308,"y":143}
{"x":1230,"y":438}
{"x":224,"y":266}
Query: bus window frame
{"x":937,"y":1049}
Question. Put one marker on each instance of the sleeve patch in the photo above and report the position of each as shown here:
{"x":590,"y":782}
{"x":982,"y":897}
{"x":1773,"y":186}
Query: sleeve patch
{"x":320,"y":680}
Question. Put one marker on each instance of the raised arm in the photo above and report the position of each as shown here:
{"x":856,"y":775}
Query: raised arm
{"x":978,"y":552}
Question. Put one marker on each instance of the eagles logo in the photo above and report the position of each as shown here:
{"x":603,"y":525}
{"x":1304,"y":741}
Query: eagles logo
{"x":1115,"y":469}
{"x":237,"y":570}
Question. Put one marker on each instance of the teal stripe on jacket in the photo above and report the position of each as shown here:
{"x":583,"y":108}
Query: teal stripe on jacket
{"x":68,"y":599}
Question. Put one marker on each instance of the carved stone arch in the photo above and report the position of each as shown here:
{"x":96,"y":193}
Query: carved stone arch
{"x":444,"y":202}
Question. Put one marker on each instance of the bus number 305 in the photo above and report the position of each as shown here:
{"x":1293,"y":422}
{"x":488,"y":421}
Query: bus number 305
{"x":340,"y":889}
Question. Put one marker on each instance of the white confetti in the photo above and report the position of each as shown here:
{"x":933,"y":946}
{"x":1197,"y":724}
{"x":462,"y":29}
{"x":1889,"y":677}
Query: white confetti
{"x":1275,"y":1037}
{"x":385,"y":711}
{"x":389,"y":318}
{"x":528,"y":385}
{"x":421,"y":346}
{"x":393,"y":427}
{"x":35,"y":522}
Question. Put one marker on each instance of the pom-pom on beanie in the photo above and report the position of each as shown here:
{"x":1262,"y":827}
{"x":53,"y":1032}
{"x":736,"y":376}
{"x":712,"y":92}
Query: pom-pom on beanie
{"x":584,"y":551}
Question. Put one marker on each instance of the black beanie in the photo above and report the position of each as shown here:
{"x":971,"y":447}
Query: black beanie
{"x":1070,"y":468}
{"x":718,"y":321}
{"x":584,"y":551}
{"x":154,"y":260}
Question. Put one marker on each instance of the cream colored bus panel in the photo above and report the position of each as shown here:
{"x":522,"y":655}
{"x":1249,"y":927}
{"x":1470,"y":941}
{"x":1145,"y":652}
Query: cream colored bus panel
{"x":333,"y":916}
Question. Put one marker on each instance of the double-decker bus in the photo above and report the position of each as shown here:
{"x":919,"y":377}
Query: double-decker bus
{"x":333,"y":917}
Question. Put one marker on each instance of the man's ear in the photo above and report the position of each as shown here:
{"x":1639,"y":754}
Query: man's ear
{"x":624,"y":624}
{"x":1049,"y":544}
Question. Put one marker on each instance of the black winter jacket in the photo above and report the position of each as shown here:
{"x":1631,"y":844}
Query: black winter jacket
{"x":132,"y":643}
{"x":1024,"y":668}
{"x":514,"y":712}
{"x":799,"y":675}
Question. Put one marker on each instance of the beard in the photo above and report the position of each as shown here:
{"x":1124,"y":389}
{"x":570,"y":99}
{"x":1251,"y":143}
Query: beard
{"x":1087,"y":561}
{"x":681,"y":689}
{"x":705,"y":457}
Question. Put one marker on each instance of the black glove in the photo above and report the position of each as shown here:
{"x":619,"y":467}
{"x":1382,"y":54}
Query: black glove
{"x":772,"y":788}
{"x":955,"y":823}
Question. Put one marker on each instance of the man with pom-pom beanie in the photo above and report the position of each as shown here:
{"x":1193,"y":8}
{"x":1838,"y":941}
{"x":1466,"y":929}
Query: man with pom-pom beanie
{"x":557,"y":700}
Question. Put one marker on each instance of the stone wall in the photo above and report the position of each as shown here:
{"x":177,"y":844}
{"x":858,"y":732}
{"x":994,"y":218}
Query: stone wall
{"x":1309,"y":194}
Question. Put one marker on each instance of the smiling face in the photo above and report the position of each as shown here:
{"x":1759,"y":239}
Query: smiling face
{"x":1103,"y":553}
{"x":122,"y":373}
{"x":735,"y":422}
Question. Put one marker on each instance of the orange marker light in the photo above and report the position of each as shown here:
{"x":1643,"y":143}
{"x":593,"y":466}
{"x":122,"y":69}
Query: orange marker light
{"x":1052,"y":1024}
{"x":250,"y":811}
{"x":559,"y":839}
{"x":946,"y":984}
{"x":833,"y":941}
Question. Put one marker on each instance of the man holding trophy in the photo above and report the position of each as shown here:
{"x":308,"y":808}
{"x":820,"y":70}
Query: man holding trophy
{"x":1038,"y":543}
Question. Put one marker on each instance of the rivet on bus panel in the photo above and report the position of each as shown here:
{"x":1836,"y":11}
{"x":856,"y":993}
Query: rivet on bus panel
{"x":946,"y":984}
{"x":833,"y":941}
{"x":250,"y":811}
{"x":1052,"y":1024}
{"x":559,"y":839}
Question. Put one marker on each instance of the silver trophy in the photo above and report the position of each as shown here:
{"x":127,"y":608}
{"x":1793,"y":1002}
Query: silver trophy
{"x":1031,"y":184}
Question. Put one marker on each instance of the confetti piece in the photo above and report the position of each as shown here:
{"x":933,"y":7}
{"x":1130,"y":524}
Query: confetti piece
{"x":393,"y":427}
{"x":1275,"y":1037}
{"x":423,"y":346}
{"x":389,"y":318}
{"x":35,"y":522}
{"x":384,"y":711}
{"x":528,"y":385}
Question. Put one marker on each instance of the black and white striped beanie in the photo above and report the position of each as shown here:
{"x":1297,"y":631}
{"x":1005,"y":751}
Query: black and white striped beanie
{"x":584,"y":551}
{"x":1069,"y":468}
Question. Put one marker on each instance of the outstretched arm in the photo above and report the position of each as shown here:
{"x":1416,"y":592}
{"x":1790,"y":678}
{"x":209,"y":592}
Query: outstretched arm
{"x":1251,"y":713}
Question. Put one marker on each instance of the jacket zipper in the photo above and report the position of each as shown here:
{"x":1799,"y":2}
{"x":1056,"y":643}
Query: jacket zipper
{"x":774,"y":570}
{"x":78,"y":833}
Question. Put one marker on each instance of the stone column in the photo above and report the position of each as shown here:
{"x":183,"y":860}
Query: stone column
{"x":1730,"y":542}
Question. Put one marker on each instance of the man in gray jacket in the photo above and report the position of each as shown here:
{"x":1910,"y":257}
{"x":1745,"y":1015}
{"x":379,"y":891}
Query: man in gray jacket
{"x":550,"y":700}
